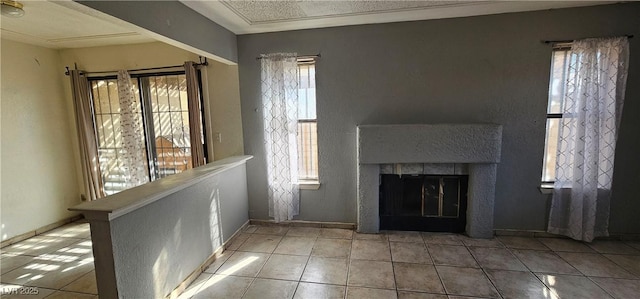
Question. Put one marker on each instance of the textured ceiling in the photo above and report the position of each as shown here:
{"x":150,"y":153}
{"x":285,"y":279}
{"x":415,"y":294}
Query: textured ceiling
{"x":276,"y":11}
{"x":256,"y":16}
{"x":51,"y":25}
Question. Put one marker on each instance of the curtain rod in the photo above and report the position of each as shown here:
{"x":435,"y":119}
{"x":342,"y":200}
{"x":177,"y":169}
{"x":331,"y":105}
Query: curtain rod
{"x":205,"y":63}
{"x":569,"y":41}
{"x":299,"y":57}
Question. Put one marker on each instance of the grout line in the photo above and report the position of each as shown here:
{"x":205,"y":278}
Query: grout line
{"x":486,"y":275}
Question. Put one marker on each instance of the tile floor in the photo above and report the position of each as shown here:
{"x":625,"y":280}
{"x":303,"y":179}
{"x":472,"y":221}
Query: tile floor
{"x":56,"y":264}
{"x":304,"y":262}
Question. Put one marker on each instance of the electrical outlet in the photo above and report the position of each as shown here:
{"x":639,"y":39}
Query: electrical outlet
{"x":218,"y":137}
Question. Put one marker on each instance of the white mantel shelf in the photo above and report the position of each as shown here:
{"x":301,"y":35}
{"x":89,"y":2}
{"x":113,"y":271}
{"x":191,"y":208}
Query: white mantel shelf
{"x":127,"y":201}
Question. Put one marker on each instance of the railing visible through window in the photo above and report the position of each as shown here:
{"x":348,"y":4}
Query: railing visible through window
{"x":307,"y":123}
{"x":165,"y":114}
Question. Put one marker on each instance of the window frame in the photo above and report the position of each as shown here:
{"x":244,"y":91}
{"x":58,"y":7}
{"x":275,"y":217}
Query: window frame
{"x":144,"y":98}
{"x":309,"y":183}
{"x":547,"y":185}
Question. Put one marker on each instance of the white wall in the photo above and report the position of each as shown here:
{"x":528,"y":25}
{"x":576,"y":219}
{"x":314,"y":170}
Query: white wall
{"x":38,"y":163}
{"x":226,"y":119}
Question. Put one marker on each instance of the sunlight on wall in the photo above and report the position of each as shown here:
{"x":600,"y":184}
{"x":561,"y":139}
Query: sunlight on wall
{"x":215,"y":227}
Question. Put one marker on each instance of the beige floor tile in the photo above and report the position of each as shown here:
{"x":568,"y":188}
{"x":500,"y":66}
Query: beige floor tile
{"x":497,"y":258}
{"x":619,"y":288}
{"x":561,"y":244}
{"x":466,"y":282}
{"x":243,"y":264}
{"x":84,"y":284}
{"x":410,"y":253}
{"x":630,"y":263}
{"x":24,"y":292}
{"x":634,"y":244}
{"x":417,"y":277}
{"x":370,"y":250}
{"x":272,"y":230}
{"x":319,"y":291}
{"x":295,"y":246}
{"x":223,"y":286}
{"x":522,"y":243}
{"x":250,"y":229}
{"x":73,"y":230}
{"x":237,"y":242}
{"x":516,"y":284}
{"x":53,"y":275}
{"x":336,"y":233}
{"x":13,"y":262}
{"x":195,"y":286}
{"x":271,"y":289}
{"x":22,"y":247}
{"x":373,"y":274}
{"x":370,"y":293}
{"x":613,"y":247}
{"x":287,"y":267}
{"x":572,"y":286}
{"x":443,"y":239}
{"x":260,"y":243}
{"x":40,"y":245}
{"x":382,"y":237}
{"x":217,"y":263}
{"x":482,"y":242}
{"x":464,"y":297}
{"x":544,"y":261}
{"x":326,"y":270}
{"x":307,"y":232}
{"x":417,"y":295}
{"x":595,"y":265}
{"x":70,"y":295}
{"x":337,"y":248}
{"x":451,"y":255}
{"x":405,"y":236}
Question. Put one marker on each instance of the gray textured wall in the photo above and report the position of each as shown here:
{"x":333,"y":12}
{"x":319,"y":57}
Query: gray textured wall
{"x":171,"y":237}
{"x":487,"y":69}
{"x":175,"y":21}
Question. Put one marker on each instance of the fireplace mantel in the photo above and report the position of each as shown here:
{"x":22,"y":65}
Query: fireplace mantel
{"x":475,"y":144}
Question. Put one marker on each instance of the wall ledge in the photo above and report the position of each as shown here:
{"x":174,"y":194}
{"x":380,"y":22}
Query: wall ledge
{"x":127,"y":201}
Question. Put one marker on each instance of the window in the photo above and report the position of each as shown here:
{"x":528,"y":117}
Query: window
{"x":164,"y":114}
{"x":559,"y":74}
{"x":307,"y":123}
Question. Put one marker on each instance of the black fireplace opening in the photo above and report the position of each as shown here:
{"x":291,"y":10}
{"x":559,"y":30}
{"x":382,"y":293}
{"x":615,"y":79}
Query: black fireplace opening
{"x":422,"y":202}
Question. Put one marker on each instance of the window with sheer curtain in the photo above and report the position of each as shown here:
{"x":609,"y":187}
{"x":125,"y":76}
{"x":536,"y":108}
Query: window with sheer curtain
{"x":161,"y":106}
{"x":307,"y":123}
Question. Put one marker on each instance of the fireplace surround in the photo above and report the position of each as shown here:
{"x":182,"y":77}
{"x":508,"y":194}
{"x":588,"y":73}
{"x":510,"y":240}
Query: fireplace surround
{"x":477,"y":145}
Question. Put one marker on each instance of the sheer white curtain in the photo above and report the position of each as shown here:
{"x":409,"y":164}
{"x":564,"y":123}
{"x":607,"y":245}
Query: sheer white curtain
{"x":280,"y":114}
{"x":134,"y":158}
{"x":588,"y":131}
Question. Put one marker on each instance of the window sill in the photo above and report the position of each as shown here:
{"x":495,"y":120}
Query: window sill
{"x":309,"y":185}
{"x":546,"y":188}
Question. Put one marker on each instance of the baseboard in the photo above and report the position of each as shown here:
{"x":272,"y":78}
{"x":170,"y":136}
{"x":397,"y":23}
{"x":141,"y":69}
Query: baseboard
{"x":212,"y":258}
{"x":302,"y":223}
{"x":39,"y":231}
{"x":544,"y":234}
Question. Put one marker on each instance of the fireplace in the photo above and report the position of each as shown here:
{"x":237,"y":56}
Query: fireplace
{"x":472,"y":147}
{"x":423,"y":202}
